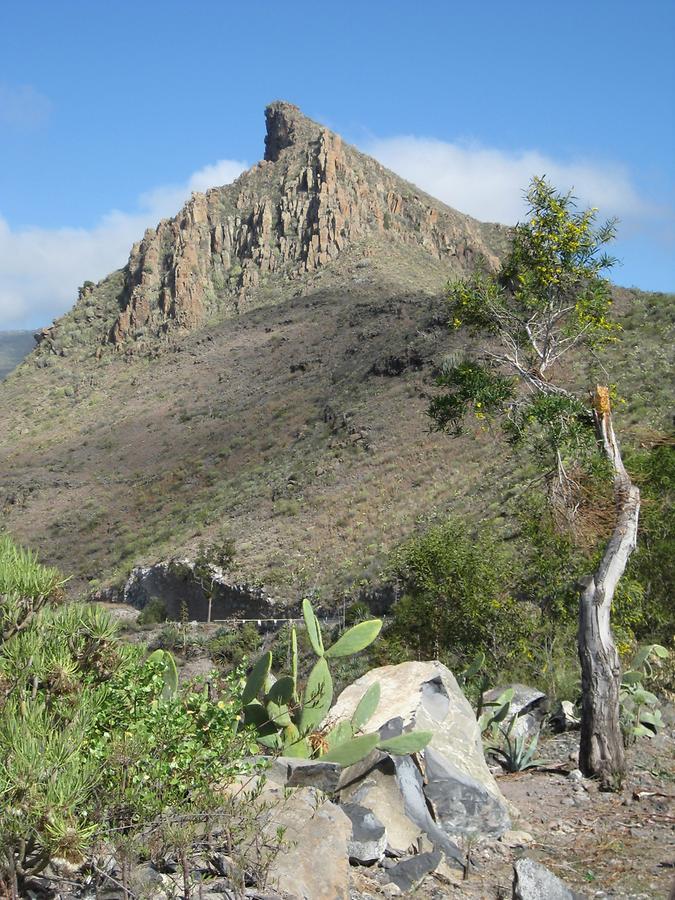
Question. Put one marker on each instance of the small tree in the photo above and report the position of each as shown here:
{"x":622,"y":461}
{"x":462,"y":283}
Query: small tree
{"x":549,"y":298}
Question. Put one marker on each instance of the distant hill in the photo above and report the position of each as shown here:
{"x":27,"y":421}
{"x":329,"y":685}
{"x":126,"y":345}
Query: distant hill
{"x":14,"y":345}
{"x":259,"y":370}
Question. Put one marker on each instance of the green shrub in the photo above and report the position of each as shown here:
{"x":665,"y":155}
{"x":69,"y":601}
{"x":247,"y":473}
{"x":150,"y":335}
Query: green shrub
{"x":456,"y":600}
{"x":153,"y":613}
{"x":93,"y":745}
{"x":230,"y":646}
{"x":25,"y":586}
{"x":653,"y":563}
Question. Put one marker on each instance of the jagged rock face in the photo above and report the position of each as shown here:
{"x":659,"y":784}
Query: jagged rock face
{"x":310,"y":198}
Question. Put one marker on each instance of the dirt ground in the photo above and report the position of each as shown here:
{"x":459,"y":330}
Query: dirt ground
{"x":603,"y":845}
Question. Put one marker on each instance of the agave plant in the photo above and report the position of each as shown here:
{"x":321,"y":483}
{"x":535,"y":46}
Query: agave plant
{"x":287,"y":719}
{"x":515,"y":753}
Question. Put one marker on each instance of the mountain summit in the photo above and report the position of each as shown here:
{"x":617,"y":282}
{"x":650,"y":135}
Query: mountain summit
{"x":312,"y":198}
{"x":261,"y":369}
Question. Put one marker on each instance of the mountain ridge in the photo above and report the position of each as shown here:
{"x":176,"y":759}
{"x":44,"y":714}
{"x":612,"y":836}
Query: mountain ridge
{"x":290,"y":414}
{"x":310,"y":198}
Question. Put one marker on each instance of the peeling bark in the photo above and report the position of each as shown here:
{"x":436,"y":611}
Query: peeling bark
{"x":601,"y":753}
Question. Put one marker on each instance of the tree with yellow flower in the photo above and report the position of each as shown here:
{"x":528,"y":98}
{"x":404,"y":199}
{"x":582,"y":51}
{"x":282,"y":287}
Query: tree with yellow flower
{"x":549,"y":297}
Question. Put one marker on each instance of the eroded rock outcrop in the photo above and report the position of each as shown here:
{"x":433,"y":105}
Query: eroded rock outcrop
{"x":213,"y":597}
{"x":296,"y":211}
{"x":449,"y":792}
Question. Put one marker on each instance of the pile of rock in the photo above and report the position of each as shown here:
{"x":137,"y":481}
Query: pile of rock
{"x":412,"y":815}
{"x":402,"y":817}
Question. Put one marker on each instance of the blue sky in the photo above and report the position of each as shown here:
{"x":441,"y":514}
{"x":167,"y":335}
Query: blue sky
{"x":111,"y":113}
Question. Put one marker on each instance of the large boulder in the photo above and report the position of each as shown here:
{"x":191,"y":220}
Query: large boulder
{"x":293,"y":772}
{"x":314,"y":861}
{"x":379,"y":791}
{"x":564,"y":717}
{"x":450,"y":776}
{"x":369,"y":836}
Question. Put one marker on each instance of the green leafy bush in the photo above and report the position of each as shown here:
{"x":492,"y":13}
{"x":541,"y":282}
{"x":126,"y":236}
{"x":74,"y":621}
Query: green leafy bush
{"x":96,"y":741}
{"x":456,"y":600}
{"x":640,"y":708}
{"x":230,"y":646}
{"x":25,"y":586}
{"x":653,"y":564}
{"x":153,"y":613}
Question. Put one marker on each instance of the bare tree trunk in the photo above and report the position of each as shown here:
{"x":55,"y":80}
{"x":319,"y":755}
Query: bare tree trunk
{"x":601,"y":753}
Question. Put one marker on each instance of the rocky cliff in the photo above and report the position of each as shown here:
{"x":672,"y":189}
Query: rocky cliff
{"x":311,"y":197}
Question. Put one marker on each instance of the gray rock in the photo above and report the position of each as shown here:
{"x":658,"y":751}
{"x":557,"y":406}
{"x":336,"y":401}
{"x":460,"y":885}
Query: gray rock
{"x":359,"y":770}
{"x":532,"y":881}
{"x":409,"y":780}
{"x":369,"y":837}
{"x":219,"y":890}
{"x":378,"y":790}
{"x":515,"y":839}
{"x":459,"y":802}
{"x":323,"y":776}
{"x":425,"y":696}
{"x":174,"y":582}
{"x":257,"y":894}
{"x":145,"y":880}
{"x":529,"y":706}
{"x":564,"y":717}
{"x":407,"y":874}
{"x":314,"y":862}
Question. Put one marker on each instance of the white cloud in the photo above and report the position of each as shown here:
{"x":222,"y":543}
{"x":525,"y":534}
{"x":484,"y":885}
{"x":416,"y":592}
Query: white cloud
{"x":22,"y":107}
{"x":41,"y":268}
{"x":488,"y":184}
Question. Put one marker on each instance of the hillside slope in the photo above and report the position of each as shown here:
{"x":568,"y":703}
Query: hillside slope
{"x":259,"y":370}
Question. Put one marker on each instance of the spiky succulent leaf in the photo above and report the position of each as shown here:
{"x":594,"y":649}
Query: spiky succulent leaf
{"x":647,"y":650}
{"x":651,"y":717}
{"x":170,"y":676}
{"x":318,"y":696}
{"x":313,"y":628}
{"x":474,"y":667}
{"x":169,"y":672}
{"x":352,"y":751}
{"x":294,"y":744}
{"x":294,"y":659}
{"x":641,"y":696}
{"x":412,"y":742}
{"x":355,"y":639}
{"x":271,"y":741}
{"x":340,"y":734}
{"x":257,"y":678}
{"x":282,"y":690}
{"x":256,"y":715}
{"x":640,"y":731}
{"x":278,"y":714}
{"x":366,"y":706}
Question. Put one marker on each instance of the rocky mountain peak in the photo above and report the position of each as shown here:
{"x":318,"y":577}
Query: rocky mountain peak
{"x":312,"y":198}
{"x":286,"y":127}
